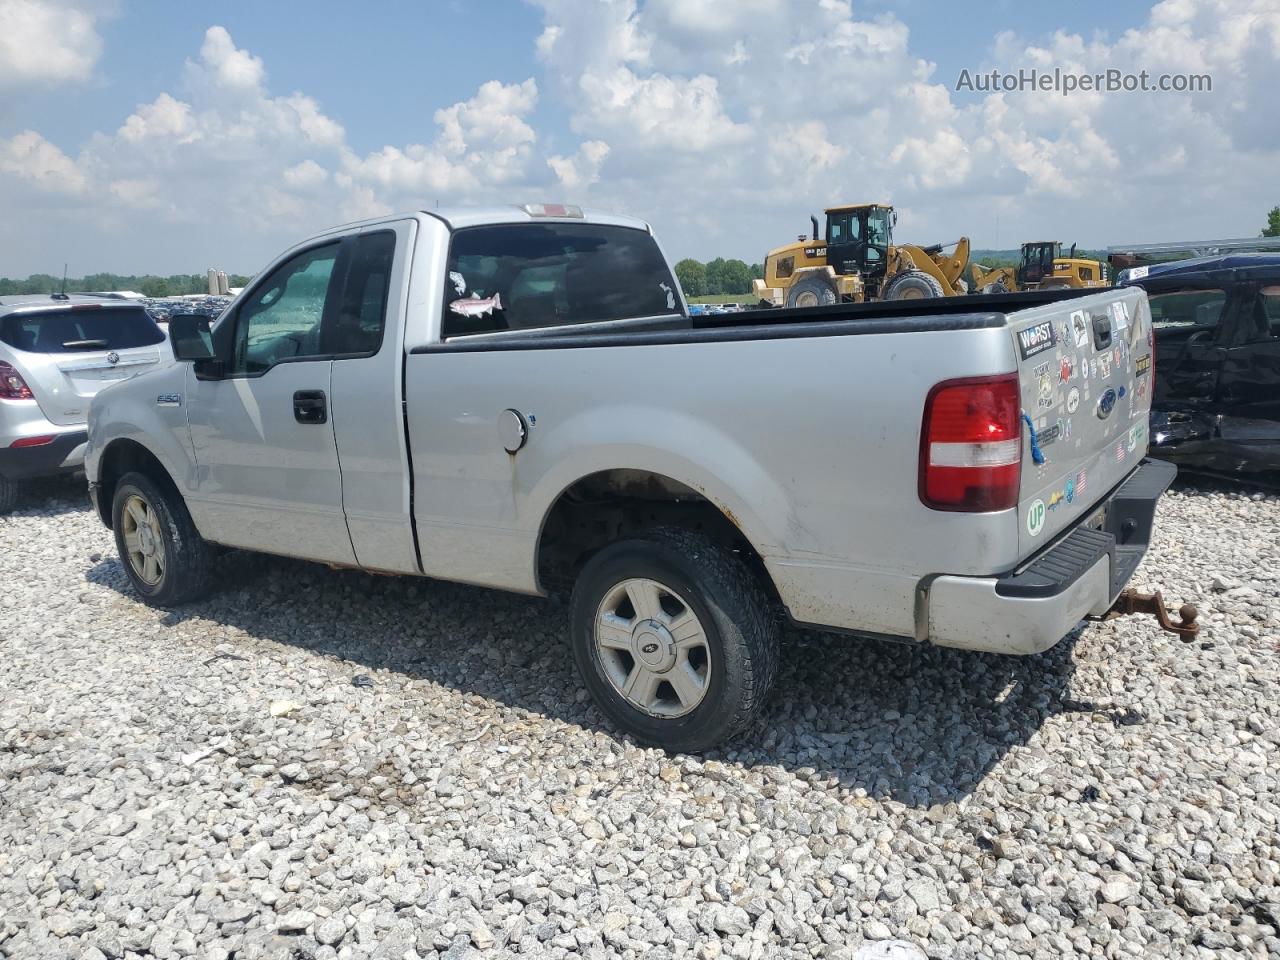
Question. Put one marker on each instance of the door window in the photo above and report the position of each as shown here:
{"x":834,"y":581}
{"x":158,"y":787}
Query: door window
{"x":361,"y":316}
{"x":1189,"y":310}
{"x":1266,"y":313}
{"x":282,"y":318}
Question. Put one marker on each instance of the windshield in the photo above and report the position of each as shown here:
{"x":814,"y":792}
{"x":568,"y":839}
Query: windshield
{"x":878,"y":227}
{"x":79,"y":329}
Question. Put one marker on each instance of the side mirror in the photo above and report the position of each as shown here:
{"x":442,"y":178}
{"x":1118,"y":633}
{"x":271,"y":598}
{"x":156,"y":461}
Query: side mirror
{"x":189,"y":334}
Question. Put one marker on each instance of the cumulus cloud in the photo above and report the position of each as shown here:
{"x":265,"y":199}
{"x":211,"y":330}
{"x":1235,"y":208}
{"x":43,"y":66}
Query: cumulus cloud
{"x":583,"y":168}
{"x":725,"y":96}
{"x":46,"y":42}
{"x":223,"y":159}
{"x":724,"y":124}
{"x":31,"y":157}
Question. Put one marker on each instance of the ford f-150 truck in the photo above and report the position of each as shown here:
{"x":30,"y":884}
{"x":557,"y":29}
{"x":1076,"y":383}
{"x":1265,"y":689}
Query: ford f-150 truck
{"x":517,"y":397}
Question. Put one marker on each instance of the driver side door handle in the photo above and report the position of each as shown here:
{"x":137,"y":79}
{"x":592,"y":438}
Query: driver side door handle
{"x":310,"y":406}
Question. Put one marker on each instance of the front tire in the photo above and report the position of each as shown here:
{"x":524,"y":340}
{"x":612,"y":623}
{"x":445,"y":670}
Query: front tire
{"x":913,"y":285}
{"x":674,"y":638}
{"x":812,"y":291}
{"x":166,"y":560}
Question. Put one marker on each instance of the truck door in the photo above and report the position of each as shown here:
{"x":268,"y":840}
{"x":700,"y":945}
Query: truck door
{"x":268,"y":476}
{"x":1248,"y":397}
{"x":1189,"y":332}
{"x":367,"y":347}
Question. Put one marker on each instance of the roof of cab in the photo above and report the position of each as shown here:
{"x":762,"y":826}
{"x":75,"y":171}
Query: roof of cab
{"x":1266,"y":263}
{"x":459,"y":217}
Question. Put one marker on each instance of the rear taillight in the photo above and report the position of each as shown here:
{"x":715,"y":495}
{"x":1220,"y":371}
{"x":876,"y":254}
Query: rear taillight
{"x":971,"y":445}
{"x":40,"y":441}
{"x":12,"y":386}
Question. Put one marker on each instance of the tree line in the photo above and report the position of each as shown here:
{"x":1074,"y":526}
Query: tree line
{"x":148,"y":285}
{"x":716,"y":278}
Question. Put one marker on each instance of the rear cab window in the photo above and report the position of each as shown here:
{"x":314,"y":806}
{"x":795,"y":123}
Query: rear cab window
{"x":528,"y":276}
{"x":79,"y":329}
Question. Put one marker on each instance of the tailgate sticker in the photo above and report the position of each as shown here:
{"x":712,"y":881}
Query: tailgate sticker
{"x":1106,"y":403}
{"x":1081,"y":328}
{"x":1036,"y":339}
{"x":1035,"y":517}
{"x":1073,"y":400}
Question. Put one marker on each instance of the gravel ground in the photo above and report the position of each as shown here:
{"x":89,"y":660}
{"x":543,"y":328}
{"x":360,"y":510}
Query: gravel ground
{"x":211,"y":783}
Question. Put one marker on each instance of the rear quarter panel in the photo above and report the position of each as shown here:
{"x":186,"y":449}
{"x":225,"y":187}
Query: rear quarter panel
{"x":810,"y":446}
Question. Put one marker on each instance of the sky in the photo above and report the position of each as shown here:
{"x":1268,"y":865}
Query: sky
{"x":160,"y":137}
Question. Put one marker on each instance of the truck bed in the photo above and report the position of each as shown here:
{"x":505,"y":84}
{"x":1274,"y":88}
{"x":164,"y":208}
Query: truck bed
{"x":976,"y":312}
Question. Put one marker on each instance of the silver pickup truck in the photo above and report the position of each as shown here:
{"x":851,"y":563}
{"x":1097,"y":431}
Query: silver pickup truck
{"x":517,"y":397}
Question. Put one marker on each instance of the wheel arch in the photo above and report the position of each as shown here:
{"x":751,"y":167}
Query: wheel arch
{"x":121,"y":456}
{"x":604,"y":506}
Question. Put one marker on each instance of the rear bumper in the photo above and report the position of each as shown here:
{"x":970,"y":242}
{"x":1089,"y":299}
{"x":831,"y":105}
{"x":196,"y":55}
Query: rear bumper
{"x":64,"y":454}
{"x":1030,"y":610}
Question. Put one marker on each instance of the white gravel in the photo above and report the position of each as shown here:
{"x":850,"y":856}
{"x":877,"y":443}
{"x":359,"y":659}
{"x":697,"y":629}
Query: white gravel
{"x":210,"y":782}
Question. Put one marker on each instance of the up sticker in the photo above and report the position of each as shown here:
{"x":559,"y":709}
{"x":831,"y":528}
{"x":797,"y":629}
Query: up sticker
{"x":1035,"y":517}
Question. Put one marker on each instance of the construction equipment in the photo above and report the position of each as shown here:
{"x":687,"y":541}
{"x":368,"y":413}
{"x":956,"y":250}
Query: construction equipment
{"x":1042,"y":267}
{"x":857,"y":261}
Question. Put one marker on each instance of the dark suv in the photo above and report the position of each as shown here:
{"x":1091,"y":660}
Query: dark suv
{"x":1216,"y":407}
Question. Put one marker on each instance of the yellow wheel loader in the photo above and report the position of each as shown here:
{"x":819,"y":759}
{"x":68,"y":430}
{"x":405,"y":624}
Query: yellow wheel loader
{"x":858,"y":260}
{"x":1042,"y":267}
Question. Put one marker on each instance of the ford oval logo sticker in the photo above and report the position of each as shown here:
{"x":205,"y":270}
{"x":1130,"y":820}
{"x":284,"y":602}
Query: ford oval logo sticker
{"x":1106,"y":404}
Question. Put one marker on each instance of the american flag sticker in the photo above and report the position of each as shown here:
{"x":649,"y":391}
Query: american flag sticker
{"x":1120,"y":452}
{"x":1082,"y":481}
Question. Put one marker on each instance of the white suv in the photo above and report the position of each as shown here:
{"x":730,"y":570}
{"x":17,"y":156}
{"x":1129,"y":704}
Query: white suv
{"x":56,"y":352}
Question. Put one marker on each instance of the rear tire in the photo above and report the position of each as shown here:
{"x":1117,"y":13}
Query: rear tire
{"x":812,"y":291}
{"x":703,"y":625}
{"x":166,"y":560}
{"x":9,"y":494}
{"x":912,"y":285}
{"x":997,"y":287}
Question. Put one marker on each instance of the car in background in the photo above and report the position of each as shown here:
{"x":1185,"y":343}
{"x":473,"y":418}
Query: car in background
{"x":1216,"y":322}
{"x":56,"y":352}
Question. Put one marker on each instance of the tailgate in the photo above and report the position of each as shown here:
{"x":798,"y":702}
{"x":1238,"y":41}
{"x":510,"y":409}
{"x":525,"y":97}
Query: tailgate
{"x":1085,"y":372}
{"x":72,"y":382}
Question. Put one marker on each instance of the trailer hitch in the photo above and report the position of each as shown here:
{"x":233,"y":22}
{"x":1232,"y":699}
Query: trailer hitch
{"x":1131,"y":601}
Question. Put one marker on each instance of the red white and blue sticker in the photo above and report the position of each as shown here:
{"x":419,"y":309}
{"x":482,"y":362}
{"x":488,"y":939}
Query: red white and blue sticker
{"x":1036,"y":339}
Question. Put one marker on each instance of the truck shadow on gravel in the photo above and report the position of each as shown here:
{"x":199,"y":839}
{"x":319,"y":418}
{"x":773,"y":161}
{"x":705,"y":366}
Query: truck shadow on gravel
{"x":918,"y":725}
{"x":51,"y":497}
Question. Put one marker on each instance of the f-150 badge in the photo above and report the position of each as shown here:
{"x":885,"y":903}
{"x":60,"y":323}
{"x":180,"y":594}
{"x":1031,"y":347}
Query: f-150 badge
{"x":476,"y":306}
